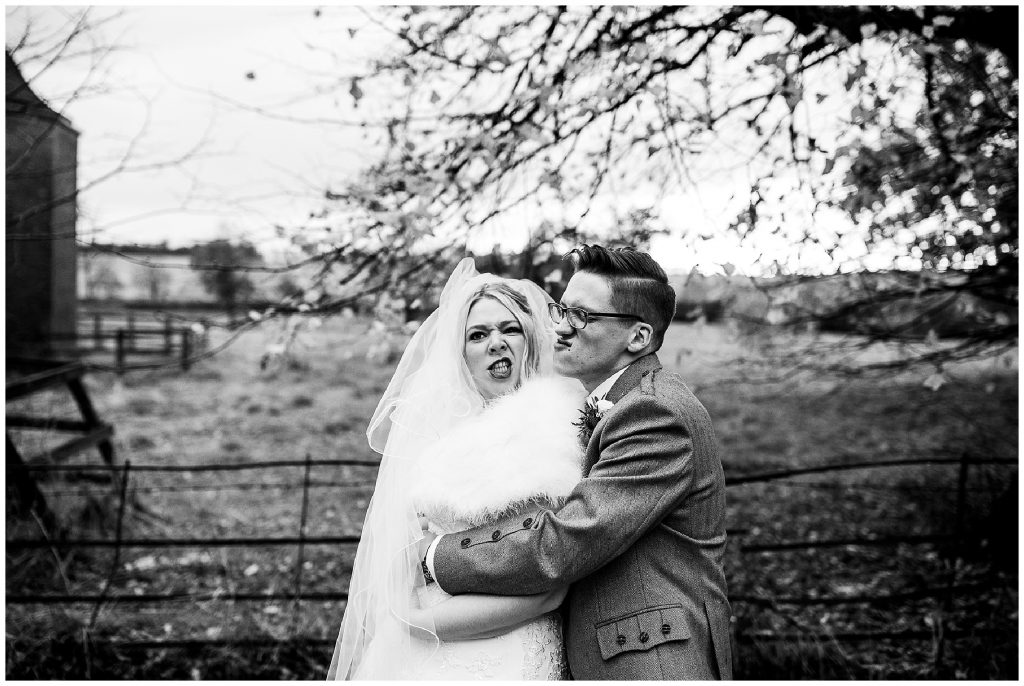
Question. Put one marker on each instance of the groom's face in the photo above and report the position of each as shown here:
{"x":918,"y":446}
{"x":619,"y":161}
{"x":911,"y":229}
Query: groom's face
{"x":597,"y":351}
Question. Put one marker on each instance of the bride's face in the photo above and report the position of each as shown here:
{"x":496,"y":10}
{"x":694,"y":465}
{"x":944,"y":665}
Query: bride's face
{"x":494,"y":348}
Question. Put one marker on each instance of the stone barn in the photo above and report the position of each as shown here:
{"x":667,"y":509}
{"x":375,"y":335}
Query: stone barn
{"x":42,"y":158}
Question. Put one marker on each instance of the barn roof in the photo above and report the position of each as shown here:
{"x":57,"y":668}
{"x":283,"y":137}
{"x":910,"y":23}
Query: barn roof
{"x":21,"y":99}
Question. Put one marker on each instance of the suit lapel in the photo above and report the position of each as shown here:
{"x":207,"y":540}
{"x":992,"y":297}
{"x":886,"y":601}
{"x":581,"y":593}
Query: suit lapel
{"x":630,"y":378}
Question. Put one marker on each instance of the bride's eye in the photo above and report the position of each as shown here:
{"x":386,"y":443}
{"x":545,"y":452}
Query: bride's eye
{"x":513,"y":329}
{"x":476,"y":335}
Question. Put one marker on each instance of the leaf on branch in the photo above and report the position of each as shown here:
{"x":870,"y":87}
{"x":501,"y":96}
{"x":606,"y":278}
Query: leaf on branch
{"x":837,"y":38}
{"x":772,"y":59}
{"x":754,"y":27}
{"x":934,"y":382}
{"x":355,"y":91}
{"x":434,"y":98}
{"x":638,"y":54}
{"x":942,"y":20}
{"x":868,"y":30}
{"x":792,"y":94}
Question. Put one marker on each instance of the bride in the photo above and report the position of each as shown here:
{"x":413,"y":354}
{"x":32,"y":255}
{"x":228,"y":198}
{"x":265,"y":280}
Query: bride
{"x":473,"y":426}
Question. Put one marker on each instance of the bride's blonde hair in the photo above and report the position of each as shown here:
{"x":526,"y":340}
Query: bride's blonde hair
{"x":516,"y":303}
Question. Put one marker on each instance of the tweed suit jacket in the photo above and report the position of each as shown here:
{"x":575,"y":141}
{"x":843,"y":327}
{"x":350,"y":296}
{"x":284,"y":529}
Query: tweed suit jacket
{"x":640,"y":539}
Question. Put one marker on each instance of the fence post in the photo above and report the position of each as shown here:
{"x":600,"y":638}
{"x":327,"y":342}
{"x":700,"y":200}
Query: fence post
{"x":119,"y":351}
{"x":97,"y":331}
{"x":118,"y":536}
{"x":168,"y":332}
{"x":300,"y":558}
{"x":953,"y":566}
{"x":186,"y":349}
{"x":961,"y":503}
{"x":131,"y":330}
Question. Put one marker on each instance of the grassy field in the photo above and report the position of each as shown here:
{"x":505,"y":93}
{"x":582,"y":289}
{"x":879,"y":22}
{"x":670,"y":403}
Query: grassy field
{"x":316,"y":402}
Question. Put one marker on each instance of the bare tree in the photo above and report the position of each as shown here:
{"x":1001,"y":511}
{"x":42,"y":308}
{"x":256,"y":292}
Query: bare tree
{"x":897,"y":125}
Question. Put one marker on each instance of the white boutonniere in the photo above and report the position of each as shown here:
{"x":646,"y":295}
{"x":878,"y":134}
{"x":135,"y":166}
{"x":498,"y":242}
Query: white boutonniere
{"x":590,"y":415}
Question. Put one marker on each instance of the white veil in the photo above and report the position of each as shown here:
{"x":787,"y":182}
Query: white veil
{"x":429,"y":393}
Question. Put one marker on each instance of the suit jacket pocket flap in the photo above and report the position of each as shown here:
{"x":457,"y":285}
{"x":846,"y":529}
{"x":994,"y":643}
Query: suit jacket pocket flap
{"x":642,"y":630}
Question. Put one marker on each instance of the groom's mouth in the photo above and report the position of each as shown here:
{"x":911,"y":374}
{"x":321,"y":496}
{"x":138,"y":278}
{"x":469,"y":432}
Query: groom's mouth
{"x":562,"y":344}
{"x":502,"y":369}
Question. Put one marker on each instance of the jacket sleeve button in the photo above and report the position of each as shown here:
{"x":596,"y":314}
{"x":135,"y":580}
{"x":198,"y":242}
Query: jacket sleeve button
{"x":465,"y":543}
{"x":528,"y":523}
{"x":643,"y":637}
{"x":666,"y":629}
{"x":496,"y":535}
{"x":620,"y":639}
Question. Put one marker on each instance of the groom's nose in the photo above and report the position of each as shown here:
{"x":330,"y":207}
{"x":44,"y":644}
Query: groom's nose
{"x":564,"y":329}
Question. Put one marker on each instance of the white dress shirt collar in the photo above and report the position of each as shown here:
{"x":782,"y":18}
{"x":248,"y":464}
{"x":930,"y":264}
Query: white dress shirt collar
{"x":601,"y":391}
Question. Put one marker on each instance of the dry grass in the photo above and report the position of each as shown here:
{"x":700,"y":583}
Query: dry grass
{"x":317,"y":402}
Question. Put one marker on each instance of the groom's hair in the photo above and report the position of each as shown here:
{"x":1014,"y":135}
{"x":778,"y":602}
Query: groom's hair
{"x":639,"y":284}
{"x":516,"y":303}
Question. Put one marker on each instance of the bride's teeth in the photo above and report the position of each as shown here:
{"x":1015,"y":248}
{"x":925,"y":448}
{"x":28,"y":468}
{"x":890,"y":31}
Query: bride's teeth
{"x":501,"y":369}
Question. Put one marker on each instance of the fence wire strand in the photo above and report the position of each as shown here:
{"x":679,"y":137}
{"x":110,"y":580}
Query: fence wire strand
{"x":119,"y":543}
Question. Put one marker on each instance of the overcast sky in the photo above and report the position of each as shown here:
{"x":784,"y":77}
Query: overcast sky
{"x":175,"y":84}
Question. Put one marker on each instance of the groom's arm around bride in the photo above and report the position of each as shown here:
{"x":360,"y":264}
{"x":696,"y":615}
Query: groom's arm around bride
{"x":641,"y":537}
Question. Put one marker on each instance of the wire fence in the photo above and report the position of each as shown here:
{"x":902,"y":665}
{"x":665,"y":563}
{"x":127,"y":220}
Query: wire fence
{"x":122,"y":475}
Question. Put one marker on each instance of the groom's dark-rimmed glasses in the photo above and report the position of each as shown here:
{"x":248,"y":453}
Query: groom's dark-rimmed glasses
{"x":579,"y":318}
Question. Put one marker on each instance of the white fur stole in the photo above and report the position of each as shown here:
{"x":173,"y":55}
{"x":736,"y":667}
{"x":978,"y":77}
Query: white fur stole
{"x":521,"y":448}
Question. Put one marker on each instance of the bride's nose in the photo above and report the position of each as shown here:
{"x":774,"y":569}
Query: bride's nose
{"x":496,"y":343}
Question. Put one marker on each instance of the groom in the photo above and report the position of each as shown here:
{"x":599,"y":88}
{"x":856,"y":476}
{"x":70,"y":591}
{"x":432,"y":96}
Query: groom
{"x":641,"y":537}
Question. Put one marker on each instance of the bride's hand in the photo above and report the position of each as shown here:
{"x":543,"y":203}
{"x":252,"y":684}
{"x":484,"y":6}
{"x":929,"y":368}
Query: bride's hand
{"x":428,"y":536}
{"x":424,"y":544}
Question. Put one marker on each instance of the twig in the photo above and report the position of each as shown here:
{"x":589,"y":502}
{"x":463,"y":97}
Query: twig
{"x":53,"y":551}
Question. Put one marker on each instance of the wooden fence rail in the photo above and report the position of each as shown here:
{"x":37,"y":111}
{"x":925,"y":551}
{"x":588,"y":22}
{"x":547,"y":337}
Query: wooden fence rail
{"x":120,"y":331}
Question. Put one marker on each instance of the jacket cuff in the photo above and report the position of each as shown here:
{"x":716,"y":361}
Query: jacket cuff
{"x":430,"y":558}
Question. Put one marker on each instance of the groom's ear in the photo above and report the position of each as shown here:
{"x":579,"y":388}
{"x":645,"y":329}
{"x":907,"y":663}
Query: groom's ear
{"x":640,"y":337}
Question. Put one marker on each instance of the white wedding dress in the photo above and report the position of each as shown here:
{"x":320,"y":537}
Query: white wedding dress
{"x":521,"y":450}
